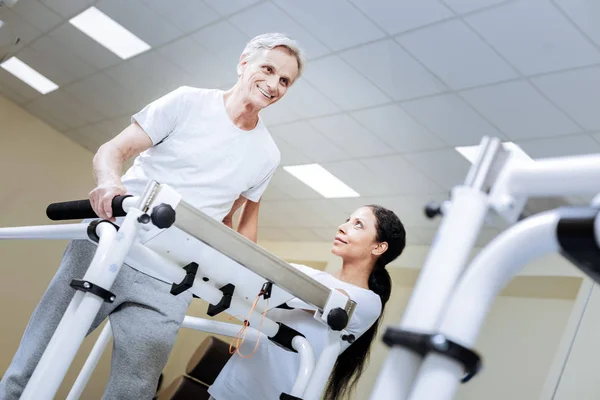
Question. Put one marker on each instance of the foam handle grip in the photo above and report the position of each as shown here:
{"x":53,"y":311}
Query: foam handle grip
{"x":80,"y":209}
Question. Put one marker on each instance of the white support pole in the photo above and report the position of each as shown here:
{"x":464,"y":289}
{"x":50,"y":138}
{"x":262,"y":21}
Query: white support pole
{"x":307,"y":365}
{"x":324,"y":366}
{"x":220,"y":328}
{"x":444,"y":265}
{"x":91,"y":362}
{"x":66,"y":231}
{"x":82,"y":310}
{"x":489,"y":272}
{"x":560,"y":176}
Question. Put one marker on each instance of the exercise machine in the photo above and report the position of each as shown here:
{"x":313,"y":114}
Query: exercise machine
{"x":160,"y":234}
{"x":431,"y":349}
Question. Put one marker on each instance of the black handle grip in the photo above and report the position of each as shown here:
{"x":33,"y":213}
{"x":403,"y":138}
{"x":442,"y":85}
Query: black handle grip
{"x":80,"y":209}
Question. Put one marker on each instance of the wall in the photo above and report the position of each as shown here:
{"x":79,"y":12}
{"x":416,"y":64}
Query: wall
{"x":38,"y":165}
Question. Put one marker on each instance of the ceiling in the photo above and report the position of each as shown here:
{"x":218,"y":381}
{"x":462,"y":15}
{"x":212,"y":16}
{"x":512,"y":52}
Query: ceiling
{"x":390,"y":88}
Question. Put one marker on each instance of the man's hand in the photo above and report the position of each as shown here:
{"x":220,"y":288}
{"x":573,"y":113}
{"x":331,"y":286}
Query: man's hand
{"x":101,"y":198}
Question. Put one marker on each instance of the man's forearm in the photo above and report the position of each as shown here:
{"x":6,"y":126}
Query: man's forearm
{"x":108,"y":164}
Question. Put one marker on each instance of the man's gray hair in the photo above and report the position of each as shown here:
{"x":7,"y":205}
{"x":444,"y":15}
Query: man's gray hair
{"x":269,"y":41}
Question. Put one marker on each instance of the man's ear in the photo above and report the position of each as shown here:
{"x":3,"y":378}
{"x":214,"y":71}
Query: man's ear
{"x":379,"y":249}
{"x":242,"y":64}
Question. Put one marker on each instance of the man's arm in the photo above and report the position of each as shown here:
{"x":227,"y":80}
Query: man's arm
{"x":108,"y":163}
{"x":228,"y":220}
{"x":248,"y":225}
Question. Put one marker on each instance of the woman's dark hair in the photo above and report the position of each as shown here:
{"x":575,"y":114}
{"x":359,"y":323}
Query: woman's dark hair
{"x":351,"y":362}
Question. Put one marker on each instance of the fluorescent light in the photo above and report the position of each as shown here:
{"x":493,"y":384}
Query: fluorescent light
{"x":29,"y":75}
{"x":321,"y":180}
{"x":471,"y":152}
{"x":109,"y":33}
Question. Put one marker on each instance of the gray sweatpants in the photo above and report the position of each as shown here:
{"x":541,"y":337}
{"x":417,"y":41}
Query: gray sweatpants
{"x":145,"y":319}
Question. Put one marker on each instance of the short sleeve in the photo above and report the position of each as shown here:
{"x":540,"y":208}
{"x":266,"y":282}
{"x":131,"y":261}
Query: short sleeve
{"x":160,"y":118}
{"x":255,"y":192}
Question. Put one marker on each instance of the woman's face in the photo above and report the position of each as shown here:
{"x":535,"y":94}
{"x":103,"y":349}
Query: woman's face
{"x":356,"y":239}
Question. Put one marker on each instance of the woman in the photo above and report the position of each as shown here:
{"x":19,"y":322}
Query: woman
{"x":370,"y":239}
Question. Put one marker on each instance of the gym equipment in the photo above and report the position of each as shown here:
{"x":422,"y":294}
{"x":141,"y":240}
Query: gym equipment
{"x":162,"y":234}
{"x":431,"y":348}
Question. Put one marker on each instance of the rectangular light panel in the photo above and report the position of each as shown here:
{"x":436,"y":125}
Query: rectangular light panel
{"x":470,"y":152}
{"x":321,"y":180}
{"x":109,"y":33}
{"x":29,"y":75}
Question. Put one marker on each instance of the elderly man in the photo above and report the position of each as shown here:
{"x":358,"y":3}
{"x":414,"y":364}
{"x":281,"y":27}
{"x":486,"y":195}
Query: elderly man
{"x":213,"y":148}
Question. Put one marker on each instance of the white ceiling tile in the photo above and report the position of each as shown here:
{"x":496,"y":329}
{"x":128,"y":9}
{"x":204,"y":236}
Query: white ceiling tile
{"x":423,"y":236}
{"x":37,"y":14}
{"x":45,"y":66}
{"x":19,"y":27}
{"x":64,"y":57}
{"x":121,"y":123}
{"x":199,"y":62}
{"x":464,"y":6}
{"x":141,"y":20}
{"x":456,"y":55}
{"x":414,"y":238}
{"x":596,"y":136}
{"x":360,"y":178}
{"x":560,"y":146}
{"x":410,"y":209}
{"x":350,"y":136}
{"x":17,"y":86}
{"x":326,"y":210}
{"x":12,"y":95}
{"x":66,"y":109}
{"x":99,"y":133}
{"x":332,"y":76}
{"x":404,"y":177}
{"x":68,"y":8}
{"x":550,"y":44}
{"x":85,"y":47}
{"x":147,"y":77}
{"x":309,"y":142}
{"x":108,"y":96}
{"x":336,"y":22}
{"x":187,"y":15}
{"x":230,"y":6}
{"x":267,"y":17}
{"x":291,"y":186}
{"x":451,"y":119}
{"x":519,"y":111}
{"x":303,"y":235}
{"x":224,"y":41}
{"x":278,"y":113}
{"x":289,"y":154}
{"x":397,"y":129}
{"x":273,"y":193}
{"x":395,"y":71}
{"x":400,"y":16}
{"x":279,"y":214}
{"x":445,"y":167}
{"x":307,"y":102}
{"x":326,"y":234}
{"x":577,"y":92}
{"x":585,"y":14}
{"x":273,"y":234}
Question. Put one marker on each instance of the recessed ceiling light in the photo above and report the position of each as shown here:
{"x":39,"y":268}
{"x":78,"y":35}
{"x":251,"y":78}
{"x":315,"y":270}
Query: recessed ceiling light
{"x":109,"y":33}
{"x":321,"y":180}
{"x":29,"y":75}
{"x":471,"y":152}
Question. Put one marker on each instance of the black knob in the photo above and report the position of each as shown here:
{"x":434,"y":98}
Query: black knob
{"x":163,"y":216}
{"x":337,"y":319}
{"x":349,"y":338}
{"x":144,"y":219}
{"x":432,"y":210}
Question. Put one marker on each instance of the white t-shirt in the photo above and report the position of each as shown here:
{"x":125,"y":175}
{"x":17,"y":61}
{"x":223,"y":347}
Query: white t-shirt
{"x":199,"y":152}
{"x":273,"y":370}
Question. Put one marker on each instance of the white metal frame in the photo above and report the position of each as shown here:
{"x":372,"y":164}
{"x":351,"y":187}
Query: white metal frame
{"x":127,"y":246}
{"x":453,"y":300}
